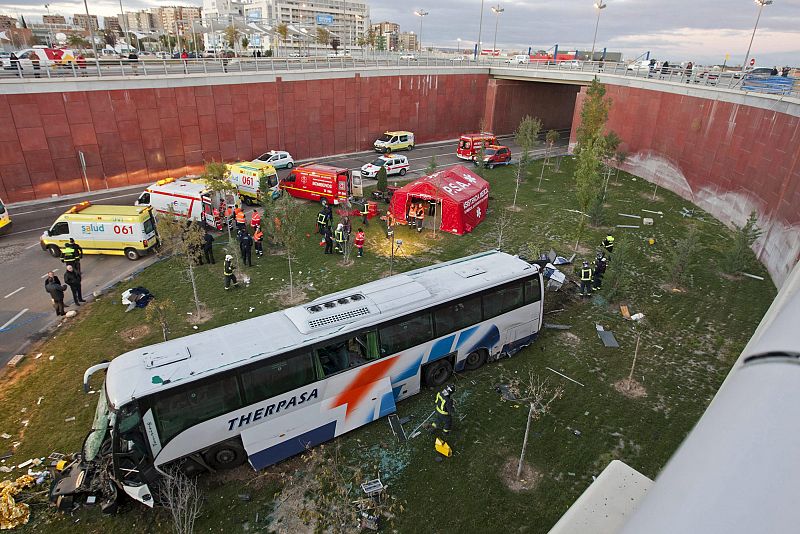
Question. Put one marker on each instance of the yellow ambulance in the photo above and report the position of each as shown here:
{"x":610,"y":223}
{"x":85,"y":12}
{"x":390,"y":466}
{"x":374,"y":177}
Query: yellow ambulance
{"x":246,"y":176}
{"x":5,"y":219}
{"x":394,"y":141}
{"x":115,"y":230}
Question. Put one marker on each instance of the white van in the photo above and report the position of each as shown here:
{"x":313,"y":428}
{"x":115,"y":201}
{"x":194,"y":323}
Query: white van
{"x":520,"y":59}
{"x":191,"y":199}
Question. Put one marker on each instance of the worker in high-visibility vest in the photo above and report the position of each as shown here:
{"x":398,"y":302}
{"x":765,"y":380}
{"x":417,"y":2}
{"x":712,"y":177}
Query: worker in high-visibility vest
{"x":241,"y":219}
{"x":255,"y":220}
{"x":230,"y":278}
{"x":608,"y":243}
{"x":338,"y":238}
{"x":420,"y":216}
{"x":69,"y":255}
{"x":444,"y":409}
{"x":258,"y":237}
{"x":586,"y":279}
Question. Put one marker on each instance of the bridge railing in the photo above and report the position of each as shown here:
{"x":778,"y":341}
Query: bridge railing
{"x":105,"y":68}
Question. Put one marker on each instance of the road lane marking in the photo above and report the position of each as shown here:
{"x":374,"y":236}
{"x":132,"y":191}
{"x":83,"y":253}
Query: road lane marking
{"x":34,"y":245}
{"x":31,"y":230}
{"x":69,"y":205}
{"x":15,"y":291}
{"x":17,"y":316}
{"x":48,"y":272}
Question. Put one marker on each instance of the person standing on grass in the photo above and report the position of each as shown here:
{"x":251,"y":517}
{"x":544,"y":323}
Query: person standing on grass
{"x":258,"y":239}
{"x":586,"y":279}
{"x":227,"y":270}
{"x":255,"y":220}
{"x":208,"y":251}
{"x":246,"y":246}
{"x":360,"y":242}
{"x":420,"y":216}
{"x":73,"y":279}
{"x":328,"y":237}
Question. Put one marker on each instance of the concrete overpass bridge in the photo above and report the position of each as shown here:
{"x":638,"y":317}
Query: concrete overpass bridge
{"x":728,"y":150}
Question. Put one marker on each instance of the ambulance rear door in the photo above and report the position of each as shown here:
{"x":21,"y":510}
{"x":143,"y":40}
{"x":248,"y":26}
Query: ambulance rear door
{"x":344,"y":183}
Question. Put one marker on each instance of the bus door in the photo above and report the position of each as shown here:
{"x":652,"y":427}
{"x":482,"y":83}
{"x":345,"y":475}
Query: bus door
{"x":299,"y":430}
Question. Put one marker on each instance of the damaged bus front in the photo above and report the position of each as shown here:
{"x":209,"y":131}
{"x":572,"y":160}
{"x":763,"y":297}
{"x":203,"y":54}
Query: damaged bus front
{"x":114,"y":459}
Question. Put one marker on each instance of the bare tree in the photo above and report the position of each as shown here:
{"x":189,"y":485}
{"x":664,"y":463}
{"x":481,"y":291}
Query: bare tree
{"x":182,"y":239}
{"x":159,"y":311}
{"x":183,"y":498}
{"x":288,"y":217}
{"x":503,"y":221}
{"x":539,"y":396}
{"x":527,"y":136}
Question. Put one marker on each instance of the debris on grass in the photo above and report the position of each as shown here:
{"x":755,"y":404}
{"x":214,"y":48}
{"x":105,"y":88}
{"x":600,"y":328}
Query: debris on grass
{"x":565,"y":376}
{"x":69,"y":419}
{"x":629,"y":215}
{"x":627,"y":226}
{"x":607,"y":337}
{"x":15,"y":360}
{"x":756,"y":277}
{"x":553,"y":326}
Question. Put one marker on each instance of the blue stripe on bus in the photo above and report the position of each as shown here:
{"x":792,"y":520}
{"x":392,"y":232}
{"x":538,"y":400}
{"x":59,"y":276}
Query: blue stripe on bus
{"x":489,"y":340}
{"x":515,"y":346}
{"x":290,"y":447}
{"x":410,"y":371}
{"x":441,"y":348}
{"x":465,"y":335}
{"x":387,"y":404}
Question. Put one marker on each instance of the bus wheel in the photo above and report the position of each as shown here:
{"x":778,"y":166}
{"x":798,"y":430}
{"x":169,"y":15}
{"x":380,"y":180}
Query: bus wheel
{"x":475,"y":360}
{"x":437,"y":373}
{"x":110,"y":498}
{"x":226,"y":455}
{"x":54,"y":251}
{"x":131,"y":254}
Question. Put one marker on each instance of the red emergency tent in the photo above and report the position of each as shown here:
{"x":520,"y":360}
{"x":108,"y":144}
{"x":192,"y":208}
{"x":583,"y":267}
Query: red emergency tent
{"x":461,"y":196}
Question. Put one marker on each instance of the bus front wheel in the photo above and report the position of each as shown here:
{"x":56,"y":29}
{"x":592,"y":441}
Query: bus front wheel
{"x":225,"y":455}
{"x":438,"y":373}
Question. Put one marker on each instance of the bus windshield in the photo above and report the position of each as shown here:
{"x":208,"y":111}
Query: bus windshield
{"x":91,"y":447}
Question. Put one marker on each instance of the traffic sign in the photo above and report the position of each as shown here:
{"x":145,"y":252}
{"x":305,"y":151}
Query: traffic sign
{"x":752,"y":61}
{"x":325,"y":20}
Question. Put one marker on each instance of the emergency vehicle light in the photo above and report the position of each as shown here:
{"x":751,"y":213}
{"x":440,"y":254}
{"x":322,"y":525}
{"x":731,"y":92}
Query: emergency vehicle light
{"x":77,"y":208}
{"x":165,"y":181}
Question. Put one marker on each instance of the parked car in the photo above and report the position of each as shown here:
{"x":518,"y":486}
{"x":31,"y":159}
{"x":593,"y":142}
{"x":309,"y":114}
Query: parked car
{"x":642,"y":65}
{"x":758,"y":73}
{"x":570,"y":64}
{"x":163,"y":55}
{"x":408,"y":57}
{"x":279,"y":159}
{"x":494,"y":155}
{"x":519,"y":59}
{"x":394,"y":163}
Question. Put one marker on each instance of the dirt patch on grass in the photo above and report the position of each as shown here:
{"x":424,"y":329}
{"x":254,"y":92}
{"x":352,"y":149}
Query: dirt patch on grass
{"x":515,"y":209}
{"x":731,"y":277}
{"x":672,"y":288}
{"x":204,"y":315}
{"x":290,"y":298}
{"x":582,"y":250}
{"x":569,"y":338}
{"x":528,"y":480}
{"x":291,"y":504}
{"x":630,"y":388}
{"x":649,"y":196}
{"x":135,"y":333}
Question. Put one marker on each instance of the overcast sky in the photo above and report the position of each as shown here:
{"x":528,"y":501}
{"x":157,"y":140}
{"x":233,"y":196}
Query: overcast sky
{"x":702,"y":31}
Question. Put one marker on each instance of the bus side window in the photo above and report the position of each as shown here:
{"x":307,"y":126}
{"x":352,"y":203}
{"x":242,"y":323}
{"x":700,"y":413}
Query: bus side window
{"x":457,"y":315}
{"x":408,"y":333}
{"x":533,"y":291}
{"x":274,"y":377}
{"x":502,"y":300}
{"x":335,"y":357}
{"x":200,"y":401}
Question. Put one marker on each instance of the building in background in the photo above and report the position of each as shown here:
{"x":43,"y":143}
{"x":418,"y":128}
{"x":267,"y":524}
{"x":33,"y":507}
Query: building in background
{"x":408,"y":41}
{"x":54,"y":19}
{"x":7,"y":22}
{"x":172,"y":19}
{"x":258,"y":20}
{"x":112,"y":24}
{"x":84,"y":21}
{"x":138,"y":21}
{"x":387,"y":35}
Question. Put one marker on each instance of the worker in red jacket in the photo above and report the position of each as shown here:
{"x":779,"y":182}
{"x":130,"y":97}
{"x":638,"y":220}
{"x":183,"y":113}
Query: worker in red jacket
{"x":360,"y":242}
{"x":255,"y":220}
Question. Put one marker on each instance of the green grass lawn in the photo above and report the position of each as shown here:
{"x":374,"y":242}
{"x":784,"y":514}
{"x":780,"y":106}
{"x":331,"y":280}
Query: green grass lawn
{"x":689,"y":341}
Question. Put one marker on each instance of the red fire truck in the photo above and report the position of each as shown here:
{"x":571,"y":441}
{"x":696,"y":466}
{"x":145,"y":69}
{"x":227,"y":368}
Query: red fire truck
{"x":320,"y":183}
{"x":470,"y":144}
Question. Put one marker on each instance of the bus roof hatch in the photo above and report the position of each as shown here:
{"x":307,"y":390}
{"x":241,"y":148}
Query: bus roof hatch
{"x":151,"y":361}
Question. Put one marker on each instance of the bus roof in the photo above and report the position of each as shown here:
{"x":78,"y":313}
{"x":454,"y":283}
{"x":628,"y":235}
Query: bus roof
{"x":148,"y":370}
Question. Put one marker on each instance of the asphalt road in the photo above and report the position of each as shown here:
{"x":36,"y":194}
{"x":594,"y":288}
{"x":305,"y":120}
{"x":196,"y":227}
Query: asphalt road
{"x":26,"y":309}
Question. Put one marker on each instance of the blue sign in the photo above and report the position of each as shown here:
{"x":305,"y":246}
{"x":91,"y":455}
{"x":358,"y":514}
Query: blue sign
{"x":325,"y":20}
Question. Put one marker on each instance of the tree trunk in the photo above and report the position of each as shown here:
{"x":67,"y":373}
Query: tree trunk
{"x":519,"y":177}
{"x":541,"y":174}
{"x":525,"y":442}
{"x":194,"y":288}
{"x":635,"y":353}
{"x":291,"y":278}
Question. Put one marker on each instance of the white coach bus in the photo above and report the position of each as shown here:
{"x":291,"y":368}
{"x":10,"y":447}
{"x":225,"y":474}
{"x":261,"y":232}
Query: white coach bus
{"x":267,"y":388}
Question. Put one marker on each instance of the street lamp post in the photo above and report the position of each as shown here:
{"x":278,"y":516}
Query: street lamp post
{"x":459,"y":45}
{"x":599,"y":5}
{"x":480,"y":32}
{"x":760,"y":4}
{"x":91,"y":35}
{"x":49,"y":28}
{"x":421,"y":13}
{"x":497,"y":10}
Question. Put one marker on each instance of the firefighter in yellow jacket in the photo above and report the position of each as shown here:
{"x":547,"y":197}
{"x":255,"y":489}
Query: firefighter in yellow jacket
{"x":444,"y":409}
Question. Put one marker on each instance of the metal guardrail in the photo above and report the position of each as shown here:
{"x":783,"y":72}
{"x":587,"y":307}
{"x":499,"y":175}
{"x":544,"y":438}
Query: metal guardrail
{"x":203,"y":66}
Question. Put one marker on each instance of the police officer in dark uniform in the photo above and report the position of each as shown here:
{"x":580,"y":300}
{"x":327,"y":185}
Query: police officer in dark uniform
{"x":246,"y":246}
{"x":600,"y":265}
{"x":208,"y":252}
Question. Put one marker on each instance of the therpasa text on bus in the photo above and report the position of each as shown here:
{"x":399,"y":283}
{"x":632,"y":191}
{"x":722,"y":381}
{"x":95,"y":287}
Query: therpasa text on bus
{"x":327,"y":367}
{"x":470,"y":144}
